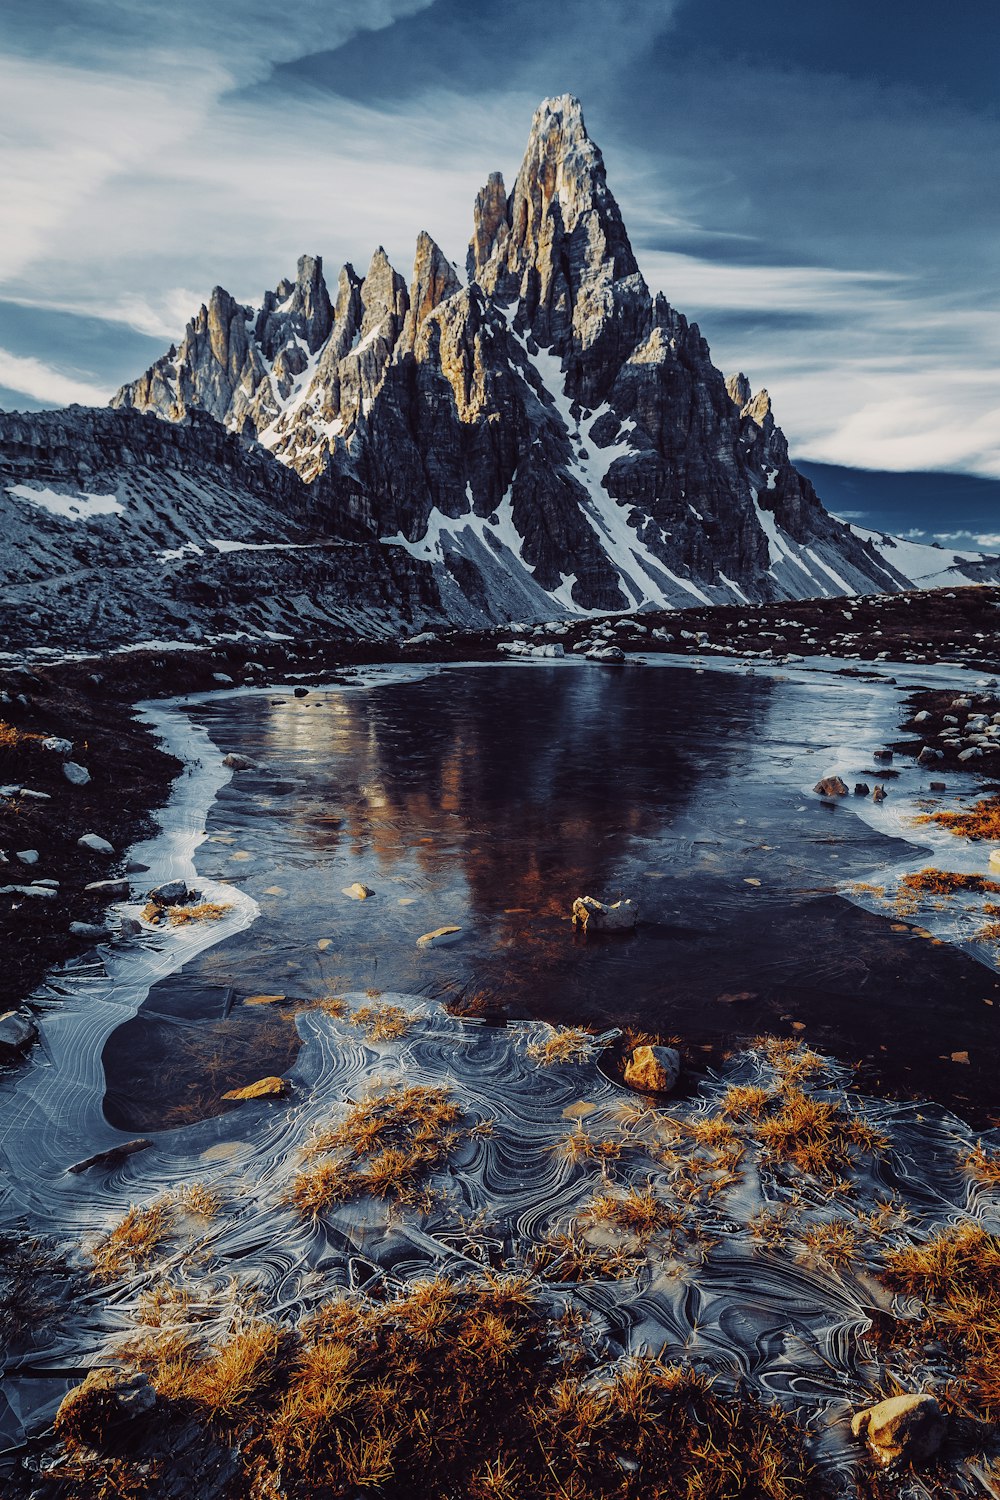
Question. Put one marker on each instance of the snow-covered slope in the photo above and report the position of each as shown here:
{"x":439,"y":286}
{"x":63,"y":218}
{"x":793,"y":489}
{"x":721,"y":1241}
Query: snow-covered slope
{"x":931,"y":567}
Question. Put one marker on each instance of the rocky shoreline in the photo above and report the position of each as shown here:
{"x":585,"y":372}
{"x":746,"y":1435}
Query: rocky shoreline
{"x":76,"y":718}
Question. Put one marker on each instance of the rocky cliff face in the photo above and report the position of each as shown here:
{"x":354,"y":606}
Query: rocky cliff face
{"x":116,"y":527}
{"x":545,"y":432}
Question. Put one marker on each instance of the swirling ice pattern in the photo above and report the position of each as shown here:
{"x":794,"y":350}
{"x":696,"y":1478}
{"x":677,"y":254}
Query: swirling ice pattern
{"x":792,"y":1329}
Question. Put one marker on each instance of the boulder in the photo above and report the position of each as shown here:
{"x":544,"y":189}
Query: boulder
{"x":939,"y":786}
{"x":28,"y":890}
{"x":104,"y":1407}
{"x":654,"y":1070}
{"x":928,"y":755}
{"x":237,"y":762}
{"x":358,"y":891}
{"x":113,"y":1157}
{"x":831,"y":786}
{"x":95,"y":844}
{"x":78,"y":775}
{"x":908,"y":1427}
{"x":595,"y":916}
{"x":57,"y":745}
{"x":300,"y":692}
{"x":17,"y":1032}
{"x":172,"y":893}
{"x":264,"y":1088}
{"x":861,"y":789}
{"x":27,"y":856}
{"x":879,"y":794}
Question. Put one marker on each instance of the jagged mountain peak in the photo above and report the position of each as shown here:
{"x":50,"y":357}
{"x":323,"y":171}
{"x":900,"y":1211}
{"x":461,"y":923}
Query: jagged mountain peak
{"x":560,"y":233}
{"x":549,"y":435}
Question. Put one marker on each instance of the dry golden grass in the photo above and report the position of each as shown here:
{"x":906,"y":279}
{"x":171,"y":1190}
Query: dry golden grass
{"x":946,"y":882}
{"x":204,"y":911}
{"x":567,"y":1044}
{"x":386,"y":1147}
{"x":817,"y":1136}
{"x":12,"y":738}
{"x":983,"y":1164}
{"x":198,"y":1200}
{"x":633,"y":1211}
{"x":579,"y":1146}
{"x":957,"y":1274}
{"x":134,"y":1242}
{"x":979,"y":822}
{"x":746,"y":1101}
{"x":476,"y":1390}
{"x":988,"y":933}
{"x":770,"y":1227}
{"x":568,"y":1257}
{"x":791,"y":1060}
{"x":836,"y":1242}
{"x":382,"y":1023}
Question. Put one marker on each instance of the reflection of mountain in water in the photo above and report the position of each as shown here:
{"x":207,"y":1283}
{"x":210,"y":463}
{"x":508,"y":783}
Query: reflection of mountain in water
{"x":488,"y":798}
{"x":540,"y":786}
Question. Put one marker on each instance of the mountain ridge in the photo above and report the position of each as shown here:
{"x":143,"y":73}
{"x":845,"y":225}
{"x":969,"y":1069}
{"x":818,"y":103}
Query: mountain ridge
{"x":543,"y":419}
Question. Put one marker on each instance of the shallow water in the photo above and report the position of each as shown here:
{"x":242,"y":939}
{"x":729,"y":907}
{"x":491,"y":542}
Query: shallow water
{"x":487,"y":798}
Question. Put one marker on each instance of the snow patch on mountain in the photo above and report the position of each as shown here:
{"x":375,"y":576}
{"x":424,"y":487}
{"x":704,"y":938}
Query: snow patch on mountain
{"x":70,"y":507}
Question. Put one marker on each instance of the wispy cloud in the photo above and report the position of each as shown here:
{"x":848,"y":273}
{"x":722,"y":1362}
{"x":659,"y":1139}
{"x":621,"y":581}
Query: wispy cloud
{"x":43,"y":383}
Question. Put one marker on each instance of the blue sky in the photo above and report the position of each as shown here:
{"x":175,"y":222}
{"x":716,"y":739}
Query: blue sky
{"x":815,"y":185}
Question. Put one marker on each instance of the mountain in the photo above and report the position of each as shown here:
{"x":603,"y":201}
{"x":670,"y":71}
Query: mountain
{"x":117,"y":527}
{"x":542,"y":430}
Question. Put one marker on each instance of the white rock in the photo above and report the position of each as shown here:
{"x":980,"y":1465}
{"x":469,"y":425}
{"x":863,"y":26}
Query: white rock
{"x":57,"y":745}
{"x":95,"y":844}
{"x":78,"y":775}
{"x":27,"y":890}
{"x":27,"y":856}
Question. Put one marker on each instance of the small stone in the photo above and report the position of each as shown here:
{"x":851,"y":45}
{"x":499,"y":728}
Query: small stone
{"x":222,"y":677}
{"x":357,"y":891}
{"x":113,"y":1157}
{"x":831,"y":786}
{"x":95,"y":844}
{"x":439,"y":937}
{"x":35,"y":889}
{"x":653,"y":1069}
{"x":879,"y":794}
{"x":237,"y":762}
{"x":929,"y":756}
{"x":883,"y":755}
{"x":57,"y":746}
{"x":114,"y":890}
{"x":17,"y":1032}
{"x":595,"y":916}
{"x":172,"y":893}
{"x":27,"y":856}
{"x":908,"y":1427}
{"x":939,"y":786}
{"x":78,"y":775}
{"x":264,"y":1088}
{"x":300,"y":692}
{"x":861,"y":789}
{"x":88,"y":930}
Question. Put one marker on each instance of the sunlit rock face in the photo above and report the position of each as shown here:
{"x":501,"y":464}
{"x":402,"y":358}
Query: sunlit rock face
{"x":543,"y":431}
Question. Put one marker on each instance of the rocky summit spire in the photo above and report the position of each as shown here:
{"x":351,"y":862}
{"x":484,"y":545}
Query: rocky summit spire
{"x":563,"y":226}
{"x":434,"y":279}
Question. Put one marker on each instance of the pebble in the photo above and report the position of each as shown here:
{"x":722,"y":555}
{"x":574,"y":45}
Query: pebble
{"x":78,"y":775}
{"x":95,"y":844}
